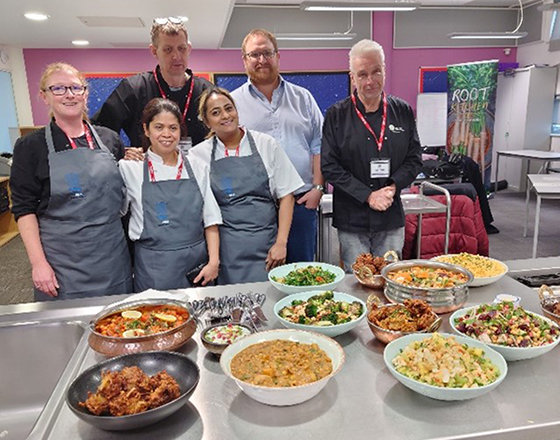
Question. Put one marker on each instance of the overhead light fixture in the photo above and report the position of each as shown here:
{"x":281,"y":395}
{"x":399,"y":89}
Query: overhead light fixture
{"x":513,"y":35}
{"x":369,"y":6}
{"x":315,"y":36}
{"x":80,"y":42}
{"x":36,"y":16}
{"x":554,"y":6}
{"x":183,"y":18}
{"x":486,"y":35}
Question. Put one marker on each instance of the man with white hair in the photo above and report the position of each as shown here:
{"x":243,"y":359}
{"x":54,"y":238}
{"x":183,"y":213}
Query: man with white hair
{"x":370,"y":151}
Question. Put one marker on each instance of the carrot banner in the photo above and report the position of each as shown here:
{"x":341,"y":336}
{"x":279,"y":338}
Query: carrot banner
{"x":471,"y":103}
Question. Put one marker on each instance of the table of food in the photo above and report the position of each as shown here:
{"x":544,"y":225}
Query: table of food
{"x":450,"y":348}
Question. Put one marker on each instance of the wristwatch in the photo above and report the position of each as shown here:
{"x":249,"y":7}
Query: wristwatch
{"x":319,"y":187}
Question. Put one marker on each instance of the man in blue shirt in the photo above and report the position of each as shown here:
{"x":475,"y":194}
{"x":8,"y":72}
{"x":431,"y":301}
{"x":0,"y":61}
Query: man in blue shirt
{"x":289,"y":113}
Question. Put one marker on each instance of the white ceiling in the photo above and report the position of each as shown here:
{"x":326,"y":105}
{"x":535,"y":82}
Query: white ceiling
{"x":208,"y":20}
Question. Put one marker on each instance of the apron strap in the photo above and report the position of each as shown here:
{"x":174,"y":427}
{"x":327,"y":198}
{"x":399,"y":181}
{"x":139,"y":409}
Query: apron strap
{"x":252,"y":143}
{"x":146,"y":171}
{"x":214,"y":146}
{"x":100,"y":144}
{"x":190,"y":172}
{"x":49,"y":138}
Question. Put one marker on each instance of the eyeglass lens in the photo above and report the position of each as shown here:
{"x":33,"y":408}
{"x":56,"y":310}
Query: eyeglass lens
{"x":61,"y":90}
{"x":266,"y":53}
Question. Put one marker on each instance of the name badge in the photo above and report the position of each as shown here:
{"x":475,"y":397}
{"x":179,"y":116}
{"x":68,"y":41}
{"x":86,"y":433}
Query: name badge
{"x":380,"y":168}
{"x":185,"y":144}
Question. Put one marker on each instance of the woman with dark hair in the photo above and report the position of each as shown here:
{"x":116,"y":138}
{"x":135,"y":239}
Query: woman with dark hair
{"x":174,"y":216}
{"x":250,"y":174}
{"x":66,"y":196}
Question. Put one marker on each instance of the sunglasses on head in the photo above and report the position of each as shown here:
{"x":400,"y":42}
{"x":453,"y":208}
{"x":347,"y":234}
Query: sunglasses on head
{"x":165,"y":20}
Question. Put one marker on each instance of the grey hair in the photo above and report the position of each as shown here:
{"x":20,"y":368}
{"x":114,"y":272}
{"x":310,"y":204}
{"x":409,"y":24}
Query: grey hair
{"x":363,"y":48}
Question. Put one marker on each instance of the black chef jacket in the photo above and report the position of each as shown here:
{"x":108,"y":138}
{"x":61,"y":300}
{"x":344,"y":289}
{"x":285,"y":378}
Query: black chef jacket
{"x":346,"y":152}
{"x":30,"y":181}
{"x":123,"y":108}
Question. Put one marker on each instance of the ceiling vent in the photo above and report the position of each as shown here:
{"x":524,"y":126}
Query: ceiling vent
{"x":113,"y":22}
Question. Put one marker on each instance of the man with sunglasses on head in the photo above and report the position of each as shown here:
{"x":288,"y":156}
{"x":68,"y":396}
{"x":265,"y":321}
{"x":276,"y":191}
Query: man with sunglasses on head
{"x":171,"y":79}
{"x":289,"y":113}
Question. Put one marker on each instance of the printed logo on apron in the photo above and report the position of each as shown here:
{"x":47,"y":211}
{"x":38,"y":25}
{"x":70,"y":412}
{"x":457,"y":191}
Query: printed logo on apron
{"x":162,"y":213}
{"x":227,"y":186}
{"x":74,"y":186}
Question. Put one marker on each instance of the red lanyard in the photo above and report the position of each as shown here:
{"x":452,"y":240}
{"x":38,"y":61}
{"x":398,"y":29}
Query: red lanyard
{"x":189,"y":96}
{"x":88,"y":138}
{"x":153,"y":174}
{"x":378,"y":141}
{"x":236,"y":151}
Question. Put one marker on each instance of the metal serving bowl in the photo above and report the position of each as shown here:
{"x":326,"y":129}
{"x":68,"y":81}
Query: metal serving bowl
{"x":443,"y":300}
{"x":169,"y":340}
{"x":385,"y":336}
{"x":217,"y":348}
{"x":548,"y":301}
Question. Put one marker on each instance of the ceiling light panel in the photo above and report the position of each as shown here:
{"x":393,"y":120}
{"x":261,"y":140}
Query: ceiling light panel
{"x":351,"y":6}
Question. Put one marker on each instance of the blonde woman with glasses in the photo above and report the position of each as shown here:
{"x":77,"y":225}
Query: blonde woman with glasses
{"x":66,"y":196}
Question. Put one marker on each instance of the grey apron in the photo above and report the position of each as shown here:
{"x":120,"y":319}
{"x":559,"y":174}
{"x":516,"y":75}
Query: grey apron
{"x":172,"y":242}
{"x":81,"y":231}
{"x":250,"y":220}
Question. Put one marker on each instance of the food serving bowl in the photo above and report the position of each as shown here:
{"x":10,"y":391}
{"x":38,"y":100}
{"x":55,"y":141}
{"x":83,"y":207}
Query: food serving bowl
{"x":179,"y":366}
{"x":367,"y":278}
{"x":480,"y":281}
{"x":509,"y":353}
{"x":441,"y":300}
{"x":385,"y":336}
{"x":284,"y":270}
{"x":284,"y":396}
{"x":218,"y":347}
{"x":548,"y":301}
{"x":332,"y":330}
{"x":441,"y":393}
{"x":168,"y":340}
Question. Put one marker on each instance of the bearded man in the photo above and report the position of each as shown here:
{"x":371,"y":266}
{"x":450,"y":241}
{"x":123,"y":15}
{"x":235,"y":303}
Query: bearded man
{"x":289,"y":113}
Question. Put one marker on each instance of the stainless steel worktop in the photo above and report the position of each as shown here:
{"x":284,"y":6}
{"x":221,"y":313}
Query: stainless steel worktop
{"x":362,"y":402}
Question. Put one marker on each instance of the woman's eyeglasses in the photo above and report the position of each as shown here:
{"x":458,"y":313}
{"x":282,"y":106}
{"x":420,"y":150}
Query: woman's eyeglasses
{"x":61,"y":90}
{"x":165,"y":20}
{"x":268,"y":54}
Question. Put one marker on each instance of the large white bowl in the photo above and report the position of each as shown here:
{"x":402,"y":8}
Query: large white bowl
{"x":480,"y":281}
{"x":509,"y":353}
{"x":333,"y":330}
{"x":440,"y":393}
{"x":282,"y":271}
{"x":291,"y":395}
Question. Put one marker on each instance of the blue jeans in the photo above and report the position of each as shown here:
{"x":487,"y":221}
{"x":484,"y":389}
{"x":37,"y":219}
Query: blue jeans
{"x":302,"y":241}
{"x":376,"y":243}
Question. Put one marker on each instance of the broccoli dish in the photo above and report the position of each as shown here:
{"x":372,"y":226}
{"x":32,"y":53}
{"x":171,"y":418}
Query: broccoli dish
{"x":322,"y":310}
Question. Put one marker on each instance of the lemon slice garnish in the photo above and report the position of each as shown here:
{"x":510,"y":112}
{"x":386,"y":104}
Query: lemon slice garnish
{"x":133,"y":333}
{"x":165,"y":317}
{"x":131,"y":314}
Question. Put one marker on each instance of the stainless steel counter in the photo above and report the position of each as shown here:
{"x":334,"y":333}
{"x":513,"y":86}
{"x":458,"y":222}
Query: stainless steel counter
{"x":362,"y":402}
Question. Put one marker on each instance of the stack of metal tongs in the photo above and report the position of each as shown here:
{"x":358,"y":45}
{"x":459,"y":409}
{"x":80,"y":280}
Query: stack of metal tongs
{"x":242,"y":308}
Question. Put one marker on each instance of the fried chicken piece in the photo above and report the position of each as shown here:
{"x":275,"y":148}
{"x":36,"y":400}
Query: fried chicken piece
{"x":128,"y":402}
{"x":96,"y":404}
{"x":134,"y":377}
{"x":165,"y":389}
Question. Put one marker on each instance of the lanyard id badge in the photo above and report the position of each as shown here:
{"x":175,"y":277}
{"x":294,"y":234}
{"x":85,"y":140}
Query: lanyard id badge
{"x":185,"y":144}
{"x":380,"y":168}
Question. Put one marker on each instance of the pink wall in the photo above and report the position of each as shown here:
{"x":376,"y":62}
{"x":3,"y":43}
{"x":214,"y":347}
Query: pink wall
{"x":402,"y":64}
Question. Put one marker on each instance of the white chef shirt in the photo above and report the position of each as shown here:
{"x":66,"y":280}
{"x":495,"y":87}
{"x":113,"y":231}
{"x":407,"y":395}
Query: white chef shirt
{"x":132,"y":173}
{"x":282,"y":175}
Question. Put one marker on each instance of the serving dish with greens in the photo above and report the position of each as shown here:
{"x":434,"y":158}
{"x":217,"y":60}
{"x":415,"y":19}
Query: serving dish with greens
{"x":306,"y":276}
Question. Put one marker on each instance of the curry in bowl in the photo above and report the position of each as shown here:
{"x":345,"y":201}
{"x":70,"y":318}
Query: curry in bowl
{"x":142,"y":321}
{"x":427,"y":277}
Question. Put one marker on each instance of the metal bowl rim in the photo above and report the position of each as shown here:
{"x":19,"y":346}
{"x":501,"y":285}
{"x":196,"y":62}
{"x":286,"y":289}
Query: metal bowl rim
{"x":396,"y":332}
{"x":427,"y":263}
{"x":109,"y":310}
{"x":213,"y":344}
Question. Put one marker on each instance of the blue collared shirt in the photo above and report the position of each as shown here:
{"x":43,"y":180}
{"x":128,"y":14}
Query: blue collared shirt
{"x":293,"y":118}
